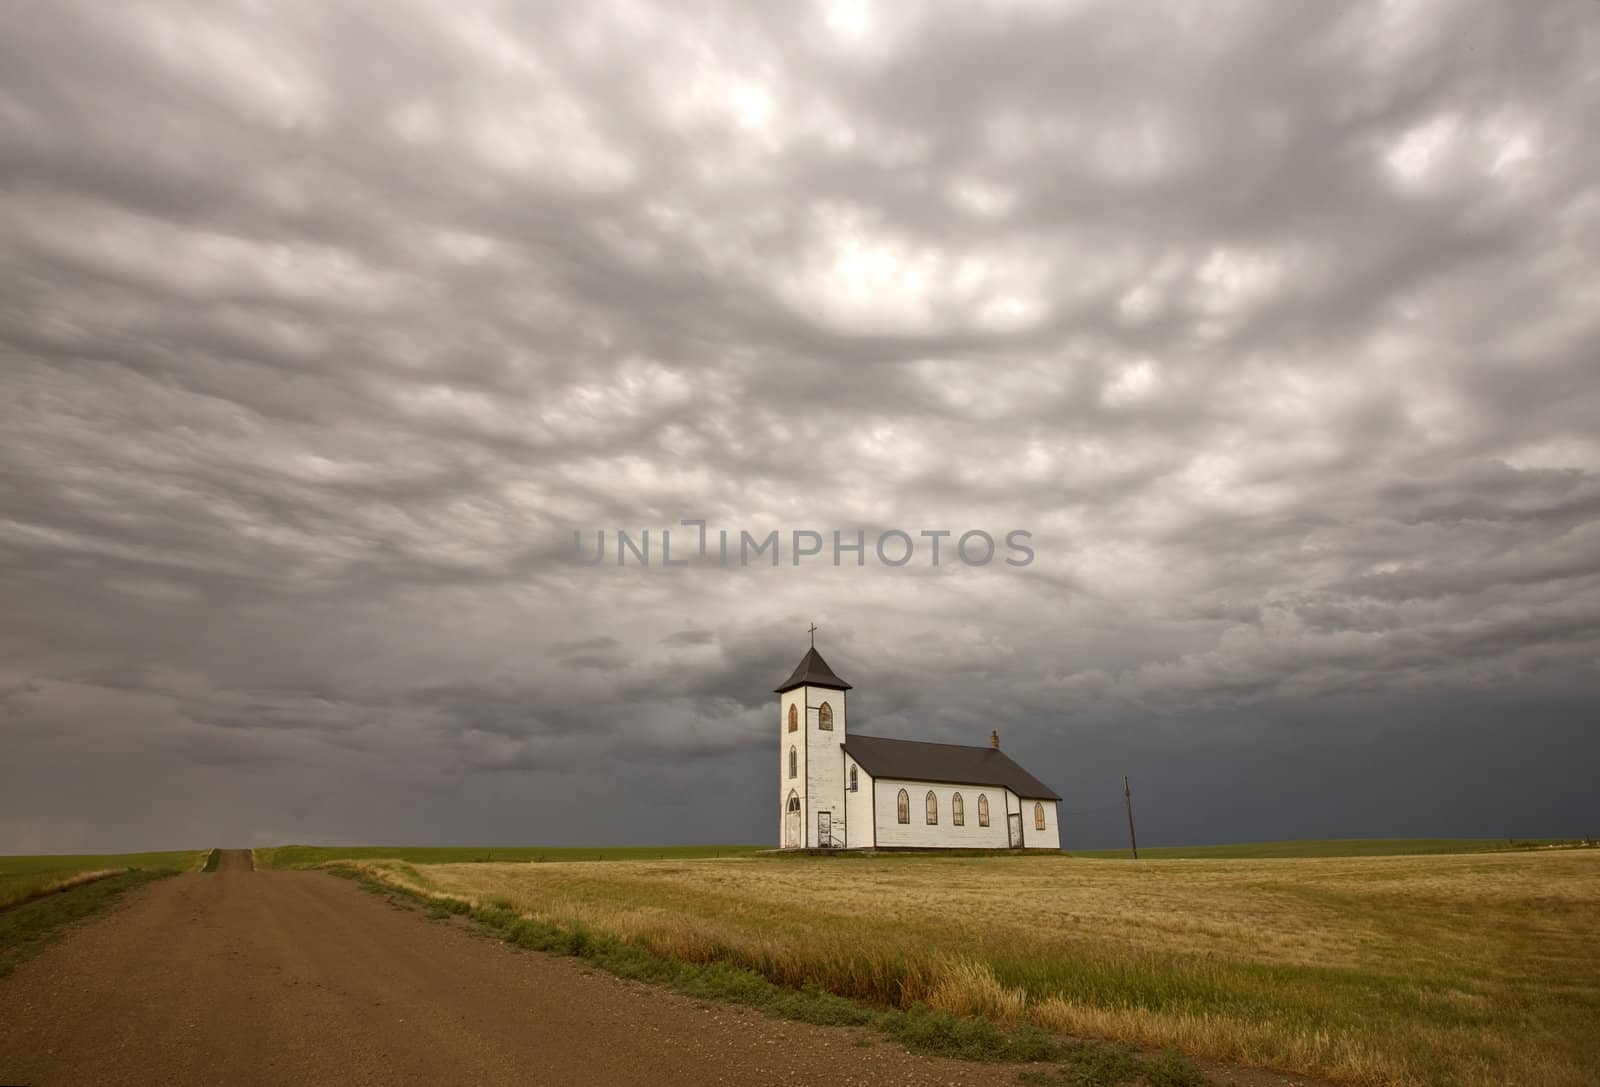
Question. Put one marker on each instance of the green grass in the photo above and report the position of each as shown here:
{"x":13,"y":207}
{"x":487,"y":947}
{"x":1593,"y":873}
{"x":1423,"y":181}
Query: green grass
{"x":25,"y":929}
{"x":1099,"y":1065}
{"x":1095,"y":1064}
{"x":1171,"y":1070}
{"x":26,"y":877}
{"x":309,"y":856}
{"x":1331,"y":847}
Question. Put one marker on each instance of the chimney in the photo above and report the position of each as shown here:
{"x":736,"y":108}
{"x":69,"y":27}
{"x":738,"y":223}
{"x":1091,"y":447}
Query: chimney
{"x":994,"y":740}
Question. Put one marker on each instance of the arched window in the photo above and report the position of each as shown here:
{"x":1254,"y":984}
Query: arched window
{"x":983,"y":810}
{"x":794,"y":762}
{"x":933,"y":808}
{"x":794,"y":719}
{"x":902,"y":807}
{"x":825,"y":717}
{"x":958,"y":811}
{"x":853,"y":786}
{"x":1038,"y":816}
{"x":794,"y":801}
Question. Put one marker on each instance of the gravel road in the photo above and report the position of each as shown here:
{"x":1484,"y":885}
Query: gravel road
{"x":245,"y":977}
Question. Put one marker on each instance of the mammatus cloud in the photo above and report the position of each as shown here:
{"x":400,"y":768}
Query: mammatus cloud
{"x":324,"y":329}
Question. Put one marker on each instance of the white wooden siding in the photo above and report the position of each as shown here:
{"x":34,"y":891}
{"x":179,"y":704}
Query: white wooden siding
{"x":797,"y":740}
{"x":858,"y":807}
{"x":1050,"y":836}
{"x":945,"y":835}
{"x":821,"y":780}
{"x":824,"y":773}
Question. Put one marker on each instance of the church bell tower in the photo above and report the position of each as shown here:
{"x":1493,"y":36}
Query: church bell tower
{"x":811,"y":776}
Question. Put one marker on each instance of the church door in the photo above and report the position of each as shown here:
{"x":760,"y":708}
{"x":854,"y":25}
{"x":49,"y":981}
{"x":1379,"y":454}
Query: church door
{"x":1015,"y":822}
{"x":791,"y":822}
{"x":825,"y":829}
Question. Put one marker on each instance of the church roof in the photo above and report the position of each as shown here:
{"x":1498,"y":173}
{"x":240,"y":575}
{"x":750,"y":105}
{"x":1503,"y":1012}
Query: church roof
{"x":950,"y":764}
{"x":813,"y":671}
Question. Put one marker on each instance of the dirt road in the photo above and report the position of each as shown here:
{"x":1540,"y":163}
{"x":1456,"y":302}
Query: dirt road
{"x":245,"y":977}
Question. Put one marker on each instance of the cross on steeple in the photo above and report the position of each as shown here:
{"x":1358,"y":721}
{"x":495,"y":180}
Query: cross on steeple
{"x":813,"y":632}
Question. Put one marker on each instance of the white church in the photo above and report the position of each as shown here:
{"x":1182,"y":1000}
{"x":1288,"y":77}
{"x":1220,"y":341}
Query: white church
{"x":838,"y":791}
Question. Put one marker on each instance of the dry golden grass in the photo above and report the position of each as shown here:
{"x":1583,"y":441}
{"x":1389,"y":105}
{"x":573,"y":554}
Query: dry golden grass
{"x":1472,"y":969}
{"x":23,"y":888}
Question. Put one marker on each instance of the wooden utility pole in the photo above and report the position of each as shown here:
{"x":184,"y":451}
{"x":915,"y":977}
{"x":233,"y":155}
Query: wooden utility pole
{"x":1127,"y":795}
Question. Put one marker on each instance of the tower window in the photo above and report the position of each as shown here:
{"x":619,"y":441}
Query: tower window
{"x":933,"y":808}
{"x":902,"y":807}
{"x":825,"y":717}
{"x":794,"y":719}
{"x":794,"y":763}
{"x":983,"y":810}
{"x":1038,"y":816}
{"x":958,"y":811}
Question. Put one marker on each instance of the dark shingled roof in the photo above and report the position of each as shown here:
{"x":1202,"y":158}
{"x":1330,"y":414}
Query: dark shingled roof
{"x":950,"y":764}
{"x":813,"y":671}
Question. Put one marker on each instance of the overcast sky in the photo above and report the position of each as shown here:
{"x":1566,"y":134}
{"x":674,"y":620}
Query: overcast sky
{"x":325,"y":326}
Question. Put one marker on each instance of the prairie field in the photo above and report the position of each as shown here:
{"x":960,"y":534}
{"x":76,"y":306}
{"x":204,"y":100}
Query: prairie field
{"x":22,"y":878}
{"x":1460,"y":969}
{"x":1336,"y":847}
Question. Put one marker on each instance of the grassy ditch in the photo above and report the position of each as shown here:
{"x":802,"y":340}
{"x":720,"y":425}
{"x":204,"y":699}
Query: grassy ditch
{"x":23,"y":878}
{"x":26,"y":928}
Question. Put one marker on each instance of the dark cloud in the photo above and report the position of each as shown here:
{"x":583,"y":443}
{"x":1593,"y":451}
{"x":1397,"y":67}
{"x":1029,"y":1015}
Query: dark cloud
{"x":324,"y":329}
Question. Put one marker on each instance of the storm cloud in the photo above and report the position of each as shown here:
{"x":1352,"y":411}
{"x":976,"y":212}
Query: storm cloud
{"x":324,"y":328}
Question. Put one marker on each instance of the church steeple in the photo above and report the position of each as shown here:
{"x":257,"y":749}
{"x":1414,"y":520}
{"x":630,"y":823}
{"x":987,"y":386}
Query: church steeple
{"x":812,"y":795}
{"x":812,"y":671}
